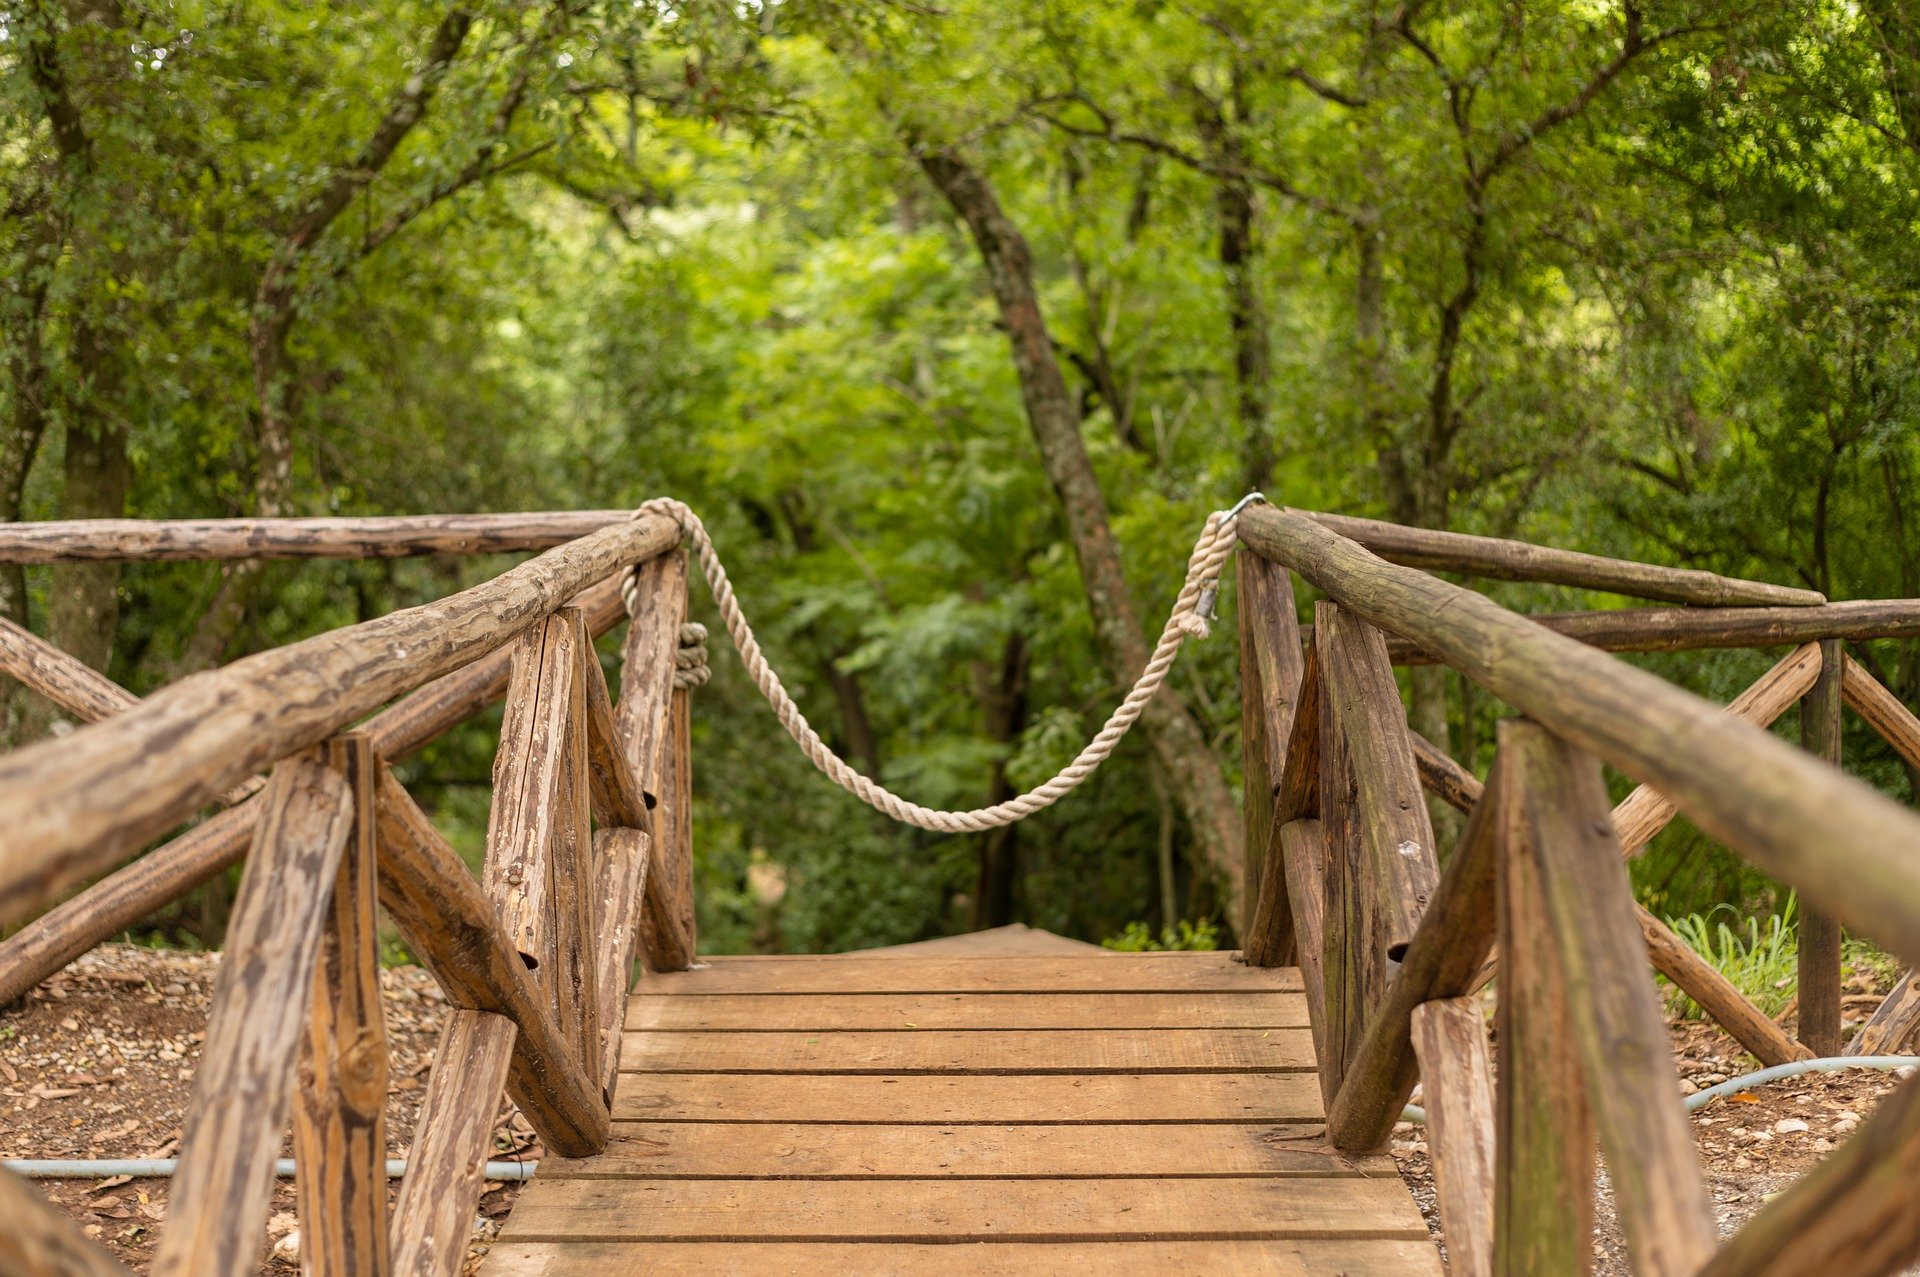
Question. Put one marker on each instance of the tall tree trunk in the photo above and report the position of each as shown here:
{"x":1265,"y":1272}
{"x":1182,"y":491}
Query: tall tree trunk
{"x":26,"y":426}
{"x":1174,"y":735}
{"x":84,"y":609}
{"x":996,"y":892}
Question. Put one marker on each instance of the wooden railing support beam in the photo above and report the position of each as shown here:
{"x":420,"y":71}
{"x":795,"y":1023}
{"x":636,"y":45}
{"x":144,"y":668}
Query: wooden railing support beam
{"x":644,"y":718}
{"x":433,"y":1218}
{"x":1270,"y":671}
{"x":1819,"y":956}
{"x":40,"y":1241}
{"x":1450,"y":1040}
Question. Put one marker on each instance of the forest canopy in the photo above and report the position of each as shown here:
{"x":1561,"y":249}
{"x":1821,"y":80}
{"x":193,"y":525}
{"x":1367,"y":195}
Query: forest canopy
{"x":953,"y":320}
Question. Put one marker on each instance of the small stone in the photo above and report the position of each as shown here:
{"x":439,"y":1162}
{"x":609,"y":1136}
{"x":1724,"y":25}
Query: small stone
{"x":288,"y":1247}
{"x":1790,"y":1125}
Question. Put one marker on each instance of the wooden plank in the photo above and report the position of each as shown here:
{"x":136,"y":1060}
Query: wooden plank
{"x":955,"y":1210}
{"x":1453,"y":941}
{"x":1893,"y":1023}
{"x":1303,"y":848}
{"x":379,"y":537}
{"x":1881,"y":710}
{"x":451,"y":927}
{"x":130,"y":894}
{"x":1353,"y":967}
{"x":622,"y":857}
{"x":1270,"y":672}
{"x":644,"y":724}
{"x":1450,"y":1038}
{"x":1626,"y":1054}
{"x":1544,"y":1134}
{"x":573,"y":895}
{"x":1066,"y":973}
{"x":1818,"y":964}
{"x":976,"y":1051}
{"x":673,"y":860}
{"x":217,"y":1209}
{"x":1505,"y":560}
{"x":970,"y":1100}
{"x":619,"y":801}
{"x":188,"y":743}
{"x":1700,"y":980}
{"x":1286,"y":1258}
{"x":1646,"y":811}
{"x":1297,"y":796}
{"x":339,"y":1117}
{"x":40,"y":1241}
{"x":1853,"y":1215}
{"x":1846,"y":848}
{"x":453,"y":1136}
{"x":524,"y":821}
{"x":927,"y":1011}
{"x":788,"y":1150}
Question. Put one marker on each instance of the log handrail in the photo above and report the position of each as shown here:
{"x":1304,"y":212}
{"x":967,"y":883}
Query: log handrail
{"x":371,"y":537}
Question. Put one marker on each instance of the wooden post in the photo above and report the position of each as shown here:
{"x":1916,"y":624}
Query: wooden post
{"x":624,"y":857}
{"x":453,"y":1134}
{"x":675,"y":859}
{"x":1543,"y":1194}
{"x":1353,"y":967}
{"x":218,"y":1205}
{"x":1450,"y":1039}
{"x":1270,"y":674}
{"x":1893,"y":1023}
{"x":644,"y":718}
{"x":40,"y":1241}
{"x":1819,"y":1023}
{"x":1881,"y":710}
{"x":339,"y":1122}
{"x":1268,"y":942}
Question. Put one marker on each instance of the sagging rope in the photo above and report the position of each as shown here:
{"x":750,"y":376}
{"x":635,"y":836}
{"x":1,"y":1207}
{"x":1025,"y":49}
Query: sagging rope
{"x":1192,"y":611}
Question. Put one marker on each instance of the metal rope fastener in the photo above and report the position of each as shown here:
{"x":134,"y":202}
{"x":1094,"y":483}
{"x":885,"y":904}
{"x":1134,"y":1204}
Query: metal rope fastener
{"x":1192,"y":611}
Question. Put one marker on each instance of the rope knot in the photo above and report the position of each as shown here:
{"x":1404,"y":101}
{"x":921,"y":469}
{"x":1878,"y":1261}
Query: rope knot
{"x":690,"y":668}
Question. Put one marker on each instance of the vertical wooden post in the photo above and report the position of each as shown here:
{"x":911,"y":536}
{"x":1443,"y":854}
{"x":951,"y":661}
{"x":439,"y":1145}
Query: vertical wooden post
{"x":1349,"y":964}
{"x":339,"y":1119}
{"x":675,"y":818}
{"x":1819,"y":934}
{"x":573,"y":886}
{"x":1544,"y":1132}
{"x":1271,"y":666}
{"x":1450,"y":1038}
{"x":644,"y":718}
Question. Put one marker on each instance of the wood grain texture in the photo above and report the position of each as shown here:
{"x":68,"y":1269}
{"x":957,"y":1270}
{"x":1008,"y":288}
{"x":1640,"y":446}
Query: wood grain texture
{"x":1296,"y":796}
{"x":1818,"y":962}
{"x":622,"y":859}
{"x":217,"y":1209}
{"x":1271,"y":668}
{"x":1094,"y":973}
{"x":857,"y":1012}
{"x":1853,"y":1215}
{"x":1543,"y":1126}
{"x":1626,"y":1055}
{"x":1027,"y":1051}
{"x":128,"y":895}
{"x":1646,"y":811}
{"x":1450,"y":1039}
{"x":573,"y":893}
{"x":1359,"y":1257}
{"x":1504,"y":560}
{"x":1353,"y":966}
{"x":39,"y":1239}
{"x":1443,"y":960}
{"x":1893,"y":1024}
{"x":67,"y":681}
{"x":1446,"y":779}
{"x":955,"y":1210}
{"x":383,"y":537}
{"x":1794,"y":816}
{"x":673,"y":850}
{"x":1881,"y":710}
{"x":643,"y":720}
{"x":433,"y":1218}
{"x":789,"y":1150}
{"x":970,"y":1100}
{"x":1303,"y":847}
{"x":339,"y":1114}
{"x":449,"y":924}
{"x":188,"y":743}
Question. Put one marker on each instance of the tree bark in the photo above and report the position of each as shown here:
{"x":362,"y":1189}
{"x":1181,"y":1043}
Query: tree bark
{"x":1174,"y":735}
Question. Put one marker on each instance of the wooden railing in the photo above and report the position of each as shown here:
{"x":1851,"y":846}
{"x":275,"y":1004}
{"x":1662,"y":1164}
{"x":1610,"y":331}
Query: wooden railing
{"x":1394,"y":938}
{"x":588,"y":863}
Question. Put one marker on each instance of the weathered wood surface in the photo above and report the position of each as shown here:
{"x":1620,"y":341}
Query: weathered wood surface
{"x":379,"y":537}
{"x":1818,"y":964}
{"x":453,"y":1136}
{"x":1271,"y":669}
{"x":1881,"y":710}
{"x":39,"y":1240}
{"x":449,"y":924}
{"x":858,"y":1012}
{"x":709,"y":1168}
{"x":1505,"y":560}
{"x":644,"y":723}
{"x":1442,"y":961}
{"x":1450,"y":1039}
{"x":217,"y":1208}
{"x":1303,"y":847}
{"x":339,"y":1115}
{"x":1700,"y":980}
{"x":1353,"y":960}
{"x":1095,"y":973}
{"x":1443,"y":777}
{"x":1560,"y":827}
{"x":67,"y":681}
{"x":1854,"y":1215}
{"x":622,"y":858}
{"x":1681,"y":629}
{"x":1646,"y":811}
{"x":1270,"y":941}
{"x":119,"y":901}
{"x":1543,"y":1125}
{"x":1793,"y":815}
{"x":189,"y":742}
{"x":673,"y":848}
{"x":1891,"y":1027}
{"x":1281,"y":1258}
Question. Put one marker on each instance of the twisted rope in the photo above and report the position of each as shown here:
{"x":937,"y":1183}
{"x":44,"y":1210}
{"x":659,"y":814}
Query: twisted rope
{"x":1187,"y":619}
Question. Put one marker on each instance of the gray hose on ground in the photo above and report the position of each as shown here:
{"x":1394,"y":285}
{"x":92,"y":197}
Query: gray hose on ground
{"x":161,"y":1167}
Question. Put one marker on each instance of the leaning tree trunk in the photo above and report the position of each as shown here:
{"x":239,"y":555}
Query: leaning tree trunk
{"x":1175,"y":737}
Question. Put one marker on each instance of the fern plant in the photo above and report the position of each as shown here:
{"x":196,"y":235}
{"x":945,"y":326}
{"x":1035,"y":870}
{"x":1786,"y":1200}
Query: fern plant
{"x":1760,"y":960}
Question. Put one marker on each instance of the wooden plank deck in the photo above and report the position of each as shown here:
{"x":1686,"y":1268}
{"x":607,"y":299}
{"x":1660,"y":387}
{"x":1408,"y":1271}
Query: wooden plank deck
{"x":1030,"y":1113}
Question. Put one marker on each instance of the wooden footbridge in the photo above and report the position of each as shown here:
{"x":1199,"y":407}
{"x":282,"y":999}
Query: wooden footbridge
{"x":983,"y":1113}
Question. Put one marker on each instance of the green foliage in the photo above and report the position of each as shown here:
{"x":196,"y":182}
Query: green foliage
{"x":1759,"y":959}
{"x":1137,"y":937}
